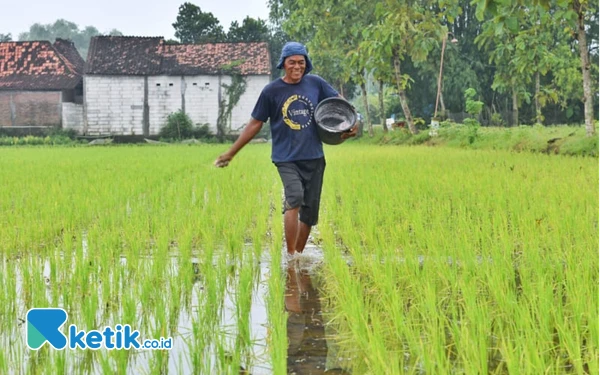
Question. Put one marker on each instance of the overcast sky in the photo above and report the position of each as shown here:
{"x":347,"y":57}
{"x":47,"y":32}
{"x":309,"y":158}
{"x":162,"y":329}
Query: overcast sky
{"x":131,"y":17}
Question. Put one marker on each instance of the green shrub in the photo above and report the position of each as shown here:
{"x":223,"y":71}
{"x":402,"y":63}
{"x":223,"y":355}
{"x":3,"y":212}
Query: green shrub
{"x":447,"y":123}
{"x":586,"y":146}
{"x":61,"y":133}
{"x":31,"y":140}
{"x":179,"y":126}
{"x":202,"y":132}
{"x":420,"y":138}
{"x":420,"y":123}
{"x":472,"y":127}
{"x":497,"y":120}
{"x":473,"y":106}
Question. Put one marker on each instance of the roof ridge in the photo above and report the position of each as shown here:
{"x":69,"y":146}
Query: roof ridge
{"x":128,"y":37}
{"x":65,"y":61}
{"x":26,"y":41}
{"x":91,"y":52}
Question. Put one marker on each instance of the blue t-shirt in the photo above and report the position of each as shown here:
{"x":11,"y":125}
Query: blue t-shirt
{"x":291,"y":108}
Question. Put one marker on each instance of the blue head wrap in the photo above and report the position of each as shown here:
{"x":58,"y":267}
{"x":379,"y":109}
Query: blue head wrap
{"x":291,"y":49}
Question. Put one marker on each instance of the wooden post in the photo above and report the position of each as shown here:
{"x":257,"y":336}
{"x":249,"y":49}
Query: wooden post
{"x":146,"y":114}
{"x":439,"y":89}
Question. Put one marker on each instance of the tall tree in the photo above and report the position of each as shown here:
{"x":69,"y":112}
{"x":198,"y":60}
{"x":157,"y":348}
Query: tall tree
{"x":278,"y":38}
{"x":575,"y":14}
{"x":524,"y":40}
{"x":252,"y":30}
{"x":5,"y":37}
{"x":408,"y":30}
{"x":339,"y":28}
{"x":581,"y":8}
{"x":194,"y":26}
{"x":499,"y":36}
{"x":465,"y":66}
{"x":534,"y":57}
{"x":323,"y":26}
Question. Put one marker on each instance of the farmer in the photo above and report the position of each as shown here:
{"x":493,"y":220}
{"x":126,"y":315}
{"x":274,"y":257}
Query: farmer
{"x":297,"y":152}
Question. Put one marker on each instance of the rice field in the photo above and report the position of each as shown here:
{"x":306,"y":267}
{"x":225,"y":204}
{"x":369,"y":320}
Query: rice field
{"x":425,"y":261}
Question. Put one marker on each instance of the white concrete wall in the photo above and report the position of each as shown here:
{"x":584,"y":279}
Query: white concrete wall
{"x":164,"y":98}
{"x":72,"y":116}
{"x":115,"y":105}
{"x":242,"y":111}
{"x":201,"y":100}
{"x":202,"y":105}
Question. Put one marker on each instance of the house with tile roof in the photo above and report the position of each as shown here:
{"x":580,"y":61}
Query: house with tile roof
{"x":131,"y":84}
{"x":41,"y":85}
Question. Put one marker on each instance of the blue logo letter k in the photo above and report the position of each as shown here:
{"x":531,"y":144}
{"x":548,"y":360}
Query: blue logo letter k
{"x":44,"y":325}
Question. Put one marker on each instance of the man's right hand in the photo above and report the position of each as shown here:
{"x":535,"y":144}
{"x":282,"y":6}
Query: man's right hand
{"x":350,"y":133}
{"x":223,"y":160}
{"x":251,"y":129}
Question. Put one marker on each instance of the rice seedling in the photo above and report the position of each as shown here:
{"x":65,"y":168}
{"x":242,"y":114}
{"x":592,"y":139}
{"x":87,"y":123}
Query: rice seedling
{"x":480,"y":244}
{"x":435,"y":260}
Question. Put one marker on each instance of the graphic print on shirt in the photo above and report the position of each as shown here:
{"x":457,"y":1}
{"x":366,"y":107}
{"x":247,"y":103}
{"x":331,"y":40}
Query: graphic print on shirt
{"x":297,"y":112}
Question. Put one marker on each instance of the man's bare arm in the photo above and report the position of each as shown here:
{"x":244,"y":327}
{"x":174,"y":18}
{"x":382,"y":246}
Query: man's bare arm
{"x":249,"y":132}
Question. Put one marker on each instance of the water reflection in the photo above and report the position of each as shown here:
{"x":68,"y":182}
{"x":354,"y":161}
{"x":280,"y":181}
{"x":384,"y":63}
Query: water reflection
{"x":307,"y":345}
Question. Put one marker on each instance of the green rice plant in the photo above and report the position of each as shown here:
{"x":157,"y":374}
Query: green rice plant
{"x":243,"y":302}
{"x":3,"y":362}
{"x":277,"y":340}
{"x":435,"y":260}
{"x":487,"y":239}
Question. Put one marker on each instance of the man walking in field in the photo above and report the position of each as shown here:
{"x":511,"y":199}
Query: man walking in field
{"x":297,"y":152}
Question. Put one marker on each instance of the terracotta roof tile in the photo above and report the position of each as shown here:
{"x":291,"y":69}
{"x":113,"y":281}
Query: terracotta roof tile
{"x":151,"y":56}
{"x":36,"y":65}
{"x":195,"y":59}
{"x":67,"y":49}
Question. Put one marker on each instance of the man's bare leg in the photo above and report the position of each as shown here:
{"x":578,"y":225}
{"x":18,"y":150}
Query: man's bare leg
{"x":303,"y":232}
{"x":290,"y":226}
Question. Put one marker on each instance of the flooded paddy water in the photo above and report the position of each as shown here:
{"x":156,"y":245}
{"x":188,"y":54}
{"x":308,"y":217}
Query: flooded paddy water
{"x":308,"y":351}
{"x":437,"y":261}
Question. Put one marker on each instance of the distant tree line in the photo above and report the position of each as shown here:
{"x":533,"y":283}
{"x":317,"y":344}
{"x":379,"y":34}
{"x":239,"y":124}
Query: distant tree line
{"x":530,"y":61}
{"x":61,"y":29}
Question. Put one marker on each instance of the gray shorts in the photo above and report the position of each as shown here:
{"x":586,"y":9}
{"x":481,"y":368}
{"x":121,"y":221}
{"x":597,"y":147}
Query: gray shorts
{"x":302,"y":181}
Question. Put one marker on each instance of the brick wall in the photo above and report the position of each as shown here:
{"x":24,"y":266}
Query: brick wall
{"x":5,"y":111}
{"x":30,"y":108}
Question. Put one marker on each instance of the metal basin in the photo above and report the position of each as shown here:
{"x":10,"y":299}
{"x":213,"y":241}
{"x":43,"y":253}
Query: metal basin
{"x":334,"y":116}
